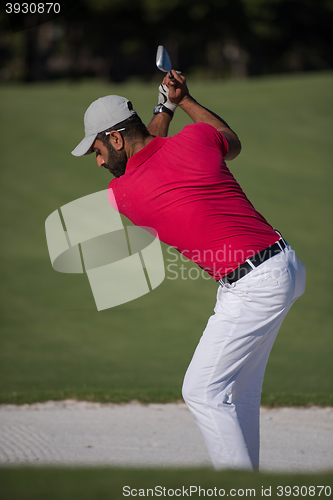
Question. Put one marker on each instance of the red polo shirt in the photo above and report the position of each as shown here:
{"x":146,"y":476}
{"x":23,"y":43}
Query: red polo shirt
{"x":181,"y":187}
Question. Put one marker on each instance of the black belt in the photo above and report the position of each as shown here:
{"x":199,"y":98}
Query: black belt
{"x":256,"y":260}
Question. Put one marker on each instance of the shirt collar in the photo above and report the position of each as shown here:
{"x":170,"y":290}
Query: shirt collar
{"x":145,"y":153}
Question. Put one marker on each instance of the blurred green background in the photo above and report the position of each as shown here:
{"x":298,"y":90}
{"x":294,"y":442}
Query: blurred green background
{"x":56,"y":344}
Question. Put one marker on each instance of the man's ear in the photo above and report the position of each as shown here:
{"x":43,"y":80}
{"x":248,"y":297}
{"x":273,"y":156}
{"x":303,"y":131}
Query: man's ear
{"x":116,"y":139}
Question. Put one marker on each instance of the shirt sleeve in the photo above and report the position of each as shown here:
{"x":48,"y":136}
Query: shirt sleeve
{"x":208,"y":134}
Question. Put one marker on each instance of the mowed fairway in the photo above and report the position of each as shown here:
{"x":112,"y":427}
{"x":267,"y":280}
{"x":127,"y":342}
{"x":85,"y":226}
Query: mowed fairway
{"x":54,"y":342}
{"x":115,"y":484}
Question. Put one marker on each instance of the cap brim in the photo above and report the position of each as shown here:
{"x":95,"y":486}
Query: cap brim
{"x":84,"y":147}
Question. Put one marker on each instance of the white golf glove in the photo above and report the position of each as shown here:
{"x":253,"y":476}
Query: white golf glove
{"x":163,"y":98}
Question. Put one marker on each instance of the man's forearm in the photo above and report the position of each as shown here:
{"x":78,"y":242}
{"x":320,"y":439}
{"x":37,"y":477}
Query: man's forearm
{"x":200,"y":114}
{"x":159,"y":125}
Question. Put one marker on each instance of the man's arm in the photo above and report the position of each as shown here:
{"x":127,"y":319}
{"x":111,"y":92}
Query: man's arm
{"x":179,"y":94}
{"x":159,"y":125}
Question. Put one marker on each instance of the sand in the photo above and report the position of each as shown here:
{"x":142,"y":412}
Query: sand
{"x":71,"y":433}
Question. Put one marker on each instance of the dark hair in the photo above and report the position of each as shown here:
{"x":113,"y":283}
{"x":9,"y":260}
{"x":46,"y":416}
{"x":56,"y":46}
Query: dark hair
{"x":134,"y":128}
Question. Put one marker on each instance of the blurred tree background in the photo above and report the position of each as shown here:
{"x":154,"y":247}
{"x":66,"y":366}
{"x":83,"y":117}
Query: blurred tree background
{"x":117,"y":39}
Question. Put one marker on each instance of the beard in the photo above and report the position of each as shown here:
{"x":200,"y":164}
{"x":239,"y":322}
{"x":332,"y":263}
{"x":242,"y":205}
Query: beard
{"x":117,"y":161}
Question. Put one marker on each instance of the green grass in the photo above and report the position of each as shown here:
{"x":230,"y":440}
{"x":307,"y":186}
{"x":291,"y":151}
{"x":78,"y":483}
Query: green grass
{"x":89,"y":484}
{"x":54,"y":343}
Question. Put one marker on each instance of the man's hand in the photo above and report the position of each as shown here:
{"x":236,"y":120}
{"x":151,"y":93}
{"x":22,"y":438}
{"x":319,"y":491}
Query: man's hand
{"x":160,"y":122}
{"x":163,"y":98}
{"x":177,"y":88}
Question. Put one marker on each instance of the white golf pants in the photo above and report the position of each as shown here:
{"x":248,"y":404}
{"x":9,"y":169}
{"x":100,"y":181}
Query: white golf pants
{"x":222,"y":385}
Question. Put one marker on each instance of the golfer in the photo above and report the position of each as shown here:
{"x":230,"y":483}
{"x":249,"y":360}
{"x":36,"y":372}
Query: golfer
{"x":182,"y":187}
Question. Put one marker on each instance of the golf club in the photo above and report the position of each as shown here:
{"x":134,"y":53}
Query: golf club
{"x":163,"y":61}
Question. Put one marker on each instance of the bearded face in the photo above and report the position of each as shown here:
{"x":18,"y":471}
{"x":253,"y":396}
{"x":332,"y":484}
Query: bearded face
{"x":117,"y":161}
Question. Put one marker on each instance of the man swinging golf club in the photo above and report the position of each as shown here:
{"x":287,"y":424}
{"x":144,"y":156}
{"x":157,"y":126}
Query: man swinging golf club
{"x":181,"y":187}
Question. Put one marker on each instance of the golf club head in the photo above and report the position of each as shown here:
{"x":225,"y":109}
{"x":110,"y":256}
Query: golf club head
{"x":163,"y":61}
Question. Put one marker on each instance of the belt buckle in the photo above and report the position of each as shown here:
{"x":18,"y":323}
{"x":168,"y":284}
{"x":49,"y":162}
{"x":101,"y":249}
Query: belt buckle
{"x":222,"y":282}
{"x":284,"y":243}
{"x":280,"y":246}
{"x":281,"y":239}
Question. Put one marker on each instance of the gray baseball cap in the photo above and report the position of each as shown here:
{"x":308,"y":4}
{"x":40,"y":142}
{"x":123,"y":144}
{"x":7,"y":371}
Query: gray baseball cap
{"x":101,"y":115}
